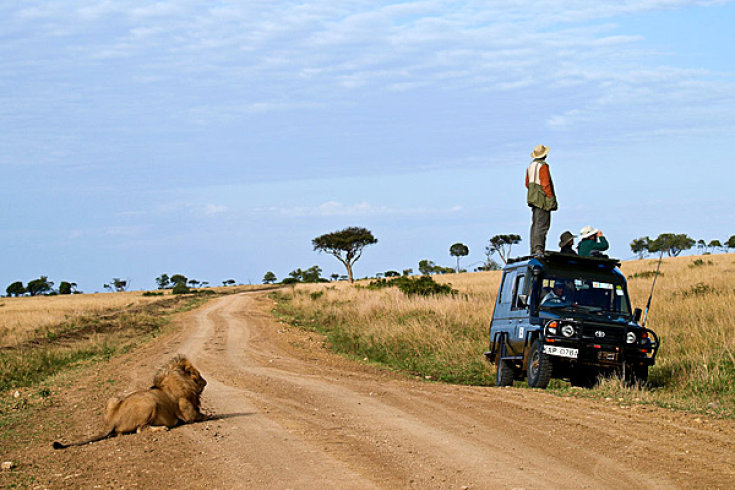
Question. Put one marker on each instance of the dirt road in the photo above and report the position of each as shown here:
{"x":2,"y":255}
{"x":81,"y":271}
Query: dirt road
{"x":289,"y":414}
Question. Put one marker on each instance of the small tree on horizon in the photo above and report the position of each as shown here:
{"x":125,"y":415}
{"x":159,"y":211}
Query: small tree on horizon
{"x":640,"y":246}
{"x":16,"y":289}
{"x":178,"y":279}
{"x":730,"y":243}
{"x":117,"y":285}
{"x":427,"y":267}
{"x":163,"y":281}
{"x":671,"y":244}
{"x":39,"y":286}
{"x":714,"y":245}
{"x":502,"y":244}
{"x":67,"y":287}
{"x":346,"y":245}
{"x":459,"y":250}
{"x":269,"y":278}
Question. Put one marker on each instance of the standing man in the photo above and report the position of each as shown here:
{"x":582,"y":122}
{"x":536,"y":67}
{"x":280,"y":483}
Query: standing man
{"x":541,"y":198}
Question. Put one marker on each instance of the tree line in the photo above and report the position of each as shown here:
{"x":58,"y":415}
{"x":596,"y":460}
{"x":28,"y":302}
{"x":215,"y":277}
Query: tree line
{"x":41,"y":286}
{"x":347,"y":246}
{"x":673,"y":244}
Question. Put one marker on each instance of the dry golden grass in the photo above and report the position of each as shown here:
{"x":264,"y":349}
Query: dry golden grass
{"x":21,"y":317}
{"x":444,"y":336}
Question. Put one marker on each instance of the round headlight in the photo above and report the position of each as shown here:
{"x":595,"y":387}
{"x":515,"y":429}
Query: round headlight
{"x":567,"y":330}
{"x":630,"y":338}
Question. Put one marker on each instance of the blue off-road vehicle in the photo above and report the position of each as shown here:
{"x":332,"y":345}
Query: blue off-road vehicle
{"x":564,"y":316}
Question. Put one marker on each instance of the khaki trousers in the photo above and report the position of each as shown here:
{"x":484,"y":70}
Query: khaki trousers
{"x":540,"y":224}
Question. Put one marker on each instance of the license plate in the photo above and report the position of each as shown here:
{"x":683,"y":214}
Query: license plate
{"x":554,"y":350}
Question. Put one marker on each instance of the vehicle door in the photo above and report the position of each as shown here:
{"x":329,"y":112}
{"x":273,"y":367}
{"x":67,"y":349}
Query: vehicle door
{"x":501,"y":322}
{"x":518,"y":313}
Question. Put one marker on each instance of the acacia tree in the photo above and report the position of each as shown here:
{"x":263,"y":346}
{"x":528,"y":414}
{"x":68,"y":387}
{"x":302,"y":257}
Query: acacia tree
{"x":459,"y":250}
{"x":163,"y":281}
{"x":427,"y":267}
{"x":39,"y":286}
{"x":671,"y":244}
{"x":269,"y":278}
{"x":502,"y":245}
{"x":730,"y":243}
{"x":66,"y":287}
{"x":714,"y":245}
{"x":640,"y":246}
{"x":16,"y":289}
{"x":346,"y":245}
{"x":177,"y":279}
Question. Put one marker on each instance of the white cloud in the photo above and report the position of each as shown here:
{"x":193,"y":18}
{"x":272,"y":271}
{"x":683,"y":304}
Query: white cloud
{"x":214,"y":209}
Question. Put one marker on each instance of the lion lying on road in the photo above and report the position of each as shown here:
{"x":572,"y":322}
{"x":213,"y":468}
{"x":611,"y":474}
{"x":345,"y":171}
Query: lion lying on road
{"x":173,"y":398}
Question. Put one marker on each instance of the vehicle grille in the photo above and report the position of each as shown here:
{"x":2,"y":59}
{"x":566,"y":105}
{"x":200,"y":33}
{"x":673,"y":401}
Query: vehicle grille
{"x":604,"y":334}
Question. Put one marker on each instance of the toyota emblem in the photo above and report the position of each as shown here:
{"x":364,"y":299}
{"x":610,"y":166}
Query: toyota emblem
{"x":599,"y":333}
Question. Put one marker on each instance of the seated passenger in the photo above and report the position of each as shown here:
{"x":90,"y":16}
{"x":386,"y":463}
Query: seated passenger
{"x":566,"y":241}
{"x":591,"y":242}
{"x":556,"y":295}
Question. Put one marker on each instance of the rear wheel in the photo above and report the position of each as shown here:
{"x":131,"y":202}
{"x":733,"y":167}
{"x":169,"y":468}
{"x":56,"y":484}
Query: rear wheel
{"x":539,"y":366}
{"x":504,"y":373}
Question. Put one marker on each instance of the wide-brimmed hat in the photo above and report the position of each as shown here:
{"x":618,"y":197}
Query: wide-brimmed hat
{"x":565,"y":238}
{"x":540,"y":151}
{"x":587,"y":232}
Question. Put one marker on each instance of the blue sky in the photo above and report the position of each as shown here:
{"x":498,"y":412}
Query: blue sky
{"x":216,"y":139}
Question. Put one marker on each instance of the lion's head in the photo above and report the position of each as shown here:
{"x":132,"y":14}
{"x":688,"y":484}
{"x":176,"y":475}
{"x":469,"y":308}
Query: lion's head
{"x":180,"y":379}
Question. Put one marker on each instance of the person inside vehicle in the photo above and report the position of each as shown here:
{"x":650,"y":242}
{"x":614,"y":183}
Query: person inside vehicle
{"x":566,"y":242}
{"x":557,"y":295}
{"x":591,"y":242}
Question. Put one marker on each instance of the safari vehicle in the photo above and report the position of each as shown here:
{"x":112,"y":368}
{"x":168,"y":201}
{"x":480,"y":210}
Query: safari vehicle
{"x":569,"y":317}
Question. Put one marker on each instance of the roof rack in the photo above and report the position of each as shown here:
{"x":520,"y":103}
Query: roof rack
{"x":558,"y":257}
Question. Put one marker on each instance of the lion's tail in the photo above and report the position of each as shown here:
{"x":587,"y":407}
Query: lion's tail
{"x":112,"y":405}
{"x":98,"y":437}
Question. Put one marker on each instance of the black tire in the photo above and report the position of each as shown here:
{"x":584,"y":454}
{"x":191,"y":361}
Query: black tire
{"x":539,"y":366}
{"x":504,"y":374}
{"x":636,"y":375}
{"x":584,"y":377}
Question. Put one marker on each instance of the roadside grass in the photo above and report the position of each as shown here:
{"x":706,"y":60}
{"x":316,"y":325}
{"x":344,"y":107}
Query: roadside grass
{"x":443,"y":337}
{"x":83,"y":339}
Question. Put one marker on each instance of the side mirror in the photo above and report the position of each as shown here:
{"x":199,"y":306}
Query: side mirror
{"x":523,"y":299}
{"x":637,"y":315}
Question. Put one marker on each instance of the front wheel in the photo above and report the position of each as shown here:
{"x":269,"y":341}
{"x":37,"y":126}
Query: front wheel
{"x":539,"y":366}
{"x":636,"y":375}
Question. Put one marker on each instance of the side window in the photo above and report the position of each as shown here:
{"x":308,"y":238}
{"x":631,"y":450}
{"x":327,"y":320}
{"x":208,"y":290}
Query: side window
{"x":506,"y":290}
{"x":518,"y":288}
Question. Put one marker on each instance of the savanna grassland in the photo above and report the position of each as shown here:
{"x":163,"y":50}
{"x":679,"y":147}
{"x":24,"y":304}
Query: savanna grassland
{"x":443,"y":337}
{"x":44,"y":335}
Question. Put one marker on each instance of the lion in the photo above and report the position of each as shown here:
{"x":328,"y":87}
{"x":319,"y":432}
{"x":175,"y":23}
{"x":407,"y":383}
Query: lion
{"x":174,"y":398}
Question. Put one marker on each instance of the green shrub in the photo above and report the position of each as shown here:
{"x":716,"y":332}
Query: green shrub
{"x":152,"y":293}
{"x":423,"y":285}
{"x":181,"y":288}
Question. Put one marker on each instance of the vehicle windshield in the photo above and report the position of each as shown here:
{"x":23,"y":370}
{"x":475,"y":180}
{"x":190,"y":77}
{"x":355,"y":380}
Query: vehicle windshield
{"x":585,"y":294}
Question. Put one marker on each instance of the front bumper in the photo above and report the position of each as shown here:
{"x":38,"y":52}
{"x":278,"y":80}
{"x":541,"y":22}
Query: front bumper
{"x":601,"y":354}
